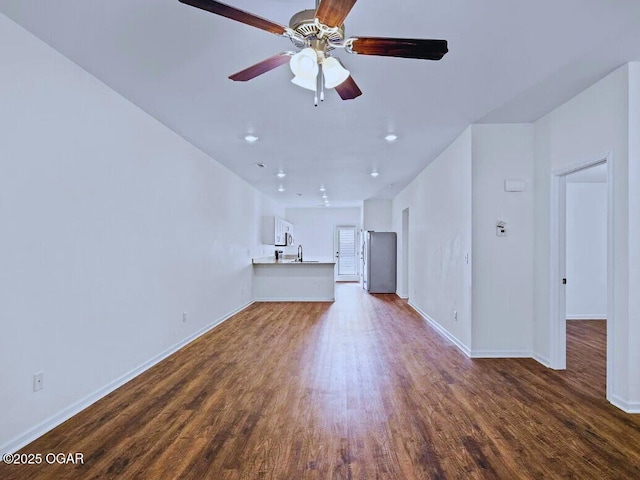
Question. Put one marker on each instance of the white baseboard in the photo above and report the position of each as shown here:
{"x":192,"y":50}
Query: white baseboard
{"x":442,"y":331}
{"x":627,"y":407}
{"x":588,"y":316}
{"x":500,"y":354}
{"x":267,"y":300}
{"x":76,"y":407}
{"x":540,"y":359}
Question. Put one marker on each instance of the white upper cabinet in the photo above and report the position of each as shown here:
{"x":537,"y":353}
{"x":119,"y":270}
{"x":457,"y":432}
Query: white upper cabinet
{"x":276,"y":231}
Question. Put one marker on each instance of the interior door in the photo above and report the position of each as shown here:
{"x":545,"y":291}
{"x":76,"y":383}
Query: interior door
{"x":346,"y":241}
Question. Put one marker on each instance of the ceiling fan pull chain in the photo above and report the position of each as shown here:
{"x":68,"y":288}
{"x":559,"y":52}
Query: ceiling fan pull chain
{"x":318,"y":83}
{"x":321,"y":82}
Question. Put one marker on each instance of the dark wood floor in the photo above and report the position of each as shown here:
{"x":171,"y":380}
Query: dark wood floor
{"x":363,"y":389}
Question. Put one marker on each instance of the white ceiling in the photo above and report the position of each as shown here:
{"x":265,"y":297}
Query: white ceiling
{"x":507,"y":62}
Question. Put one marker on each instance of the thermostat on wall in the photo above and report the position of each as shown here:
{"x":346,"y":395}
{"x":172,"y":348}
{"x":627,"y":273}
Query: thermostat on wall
{"x":501,"y":228}
{"x":514,"y":185}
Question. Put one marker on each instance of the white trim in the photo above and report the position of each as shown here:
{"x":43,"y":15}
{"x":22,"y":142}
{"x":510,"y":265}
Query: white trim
{"x":557,"y":265}
{"x":611,"y":290}
{"x":627,"y":407}
{"x":588,"y":316}
{"x":442,"y":331}
{"x":557,"y":260}
{"x":576,"y":167}
{"x":76,"y":407}
{"x":542,"y":360}
{"x":500,"y":354}
{"x":404,"y":252}
{"x":296,"y":299}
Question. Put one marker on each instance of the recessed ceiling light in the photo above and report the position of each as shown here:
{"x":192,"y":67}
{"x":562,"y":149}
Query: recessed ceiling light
{"x":324,"y":195}
{"x":322,"y":189}
{"x":281,"y":174}
{"x":392,"y":137}
{"x":251,"y":138}
{"x":374,"y":174}
{"x":281,"y":188}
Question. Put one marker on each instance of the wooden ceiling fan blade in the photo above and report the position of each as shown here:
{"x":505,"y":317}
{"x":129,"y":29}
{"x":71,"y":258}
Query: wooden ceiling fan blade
{"x":237,"y":15}
{"x":333,"y":12}
{"x":400,"y":47}
{"x":262,"y":67}
{"x":348,"y":90}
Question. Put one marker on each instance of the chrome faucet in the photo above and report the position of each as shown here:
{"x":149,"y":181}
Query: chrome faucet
{"x":299,"y":253}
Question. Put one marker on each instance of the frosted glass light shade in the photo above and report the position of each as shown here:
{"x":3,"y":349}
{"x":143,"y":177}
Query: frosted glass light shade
{"x":304,"y":63}
{"x":334,"y":72}
{"x":308,"y":83}
{"x":304,"y":66}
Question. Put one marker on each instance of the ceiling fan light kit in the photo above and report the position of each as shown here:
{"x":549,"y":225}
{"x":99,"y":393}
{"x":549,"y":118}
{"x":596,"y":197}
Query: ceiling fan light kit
{"x":334,"y":73}
{"x":317,"y":33}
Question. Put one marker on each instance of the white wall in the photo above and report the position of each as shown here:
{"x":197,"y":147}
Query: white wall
{"x":511,"y":289}
{"x":502,"y":266}
{"x":112,"y":227}
{"x":633,"y":185}
{"x":439,"y":200}
{"x":377,"y":215}
{"x":586,"y":250}
{"x":586,"y":128}
{"x":315,"y":228}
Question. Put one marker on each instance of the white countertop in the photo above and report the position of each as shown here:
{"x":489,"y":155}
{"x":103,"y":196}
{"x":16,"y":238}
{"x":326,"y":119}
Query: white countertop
{"x":287,"y":261}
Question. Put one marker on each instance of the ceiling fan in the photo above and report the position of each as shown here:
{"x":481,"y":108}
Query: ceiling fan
{"x":317,"y":33}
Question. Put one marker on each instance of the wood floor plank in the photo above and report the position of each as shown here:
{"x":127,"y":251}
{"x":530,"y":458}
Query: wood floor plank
{"x":361,"y":388}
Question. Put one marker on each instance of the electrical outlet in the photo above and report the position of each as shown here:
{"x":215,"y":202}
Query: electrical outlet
{"x":184,"y":317}
{"x":455,"y":315}
{"x":38,"y":381}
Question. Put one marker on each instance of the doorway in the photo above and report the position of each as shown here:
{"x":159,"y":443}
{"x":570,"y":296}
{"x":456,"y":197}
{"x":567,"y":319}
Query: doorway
{"x":558,"y":262}
{"x":346,"y":242}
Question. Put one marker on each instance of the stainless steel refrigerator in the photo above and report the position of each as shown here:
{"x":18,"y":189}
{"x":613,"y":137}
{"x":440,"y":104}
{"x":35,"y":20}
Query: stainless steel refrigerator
{"x":379,"y":262}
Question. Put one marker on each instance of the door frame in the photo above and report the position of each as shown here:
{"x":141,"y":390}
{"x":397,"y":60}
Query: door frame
{"x":557,"y":265}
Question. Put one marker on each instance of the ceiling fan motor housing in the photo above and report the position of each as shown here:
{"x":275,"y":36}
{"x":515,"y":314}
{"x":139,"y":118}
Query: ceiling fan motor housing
{"x":304,"y":23}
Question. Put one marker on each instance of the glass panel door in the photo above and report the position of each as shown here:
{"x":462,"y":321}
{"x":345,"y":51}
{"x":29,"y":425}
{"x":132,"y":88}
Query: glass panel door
{"x":347,"y":254}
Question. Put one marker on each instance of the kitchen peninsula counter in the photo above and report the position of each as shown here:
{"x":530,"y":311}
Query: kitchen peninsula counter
{"x":288,"y":280}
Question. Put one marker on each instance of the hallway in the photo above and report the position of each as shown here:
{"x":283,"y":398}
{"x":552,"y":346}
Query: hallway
{"x":361,"y":388}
